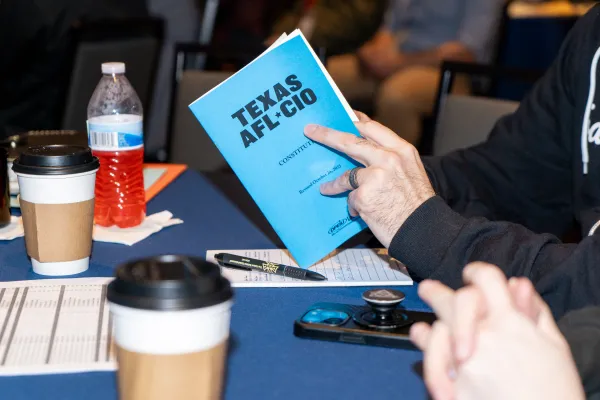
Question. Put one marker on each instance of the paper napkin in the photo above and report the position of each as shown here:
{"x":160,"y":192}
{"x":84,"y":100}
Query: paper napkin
{"x":13,"y":230}
{"x":130,"y":236}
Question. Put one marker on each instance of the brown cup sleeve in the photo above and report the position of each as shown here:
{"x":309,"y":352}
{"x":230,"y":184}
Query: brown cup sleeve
{"x":58,"y":232}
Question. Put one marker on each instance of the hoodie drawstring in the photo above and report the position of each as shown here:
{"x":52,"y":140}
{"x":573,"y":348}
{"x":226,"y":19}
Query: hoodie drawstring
{"x":585,"y":155}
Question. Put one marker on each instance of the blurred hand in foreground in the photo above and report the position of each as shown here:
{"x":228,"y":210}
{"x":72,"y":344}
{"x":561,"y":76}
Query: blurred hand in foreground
{"x":494,"y":340}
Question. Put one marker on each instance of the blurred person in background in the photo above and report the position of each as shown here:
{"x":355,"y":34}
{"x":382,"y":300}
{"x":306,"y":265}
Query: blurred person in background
{"x":398,"y":68}
{"x":338,"y":26}
{"x":34,"y":56}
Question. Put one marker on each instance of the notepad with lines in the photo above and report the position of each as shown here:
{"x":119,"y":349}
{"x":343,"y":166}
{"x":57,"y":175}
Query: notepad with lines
{"x":351,"y":267}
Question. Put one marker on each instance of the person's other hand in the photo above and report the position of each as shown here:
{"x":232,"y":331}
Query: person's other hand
{"x":445,"y":301}
{"x":382,"y":63}
{"x":393,"y":184}
{"x":380,"y":57}
{"x":518,"y":351}
{"x":382,"y":41}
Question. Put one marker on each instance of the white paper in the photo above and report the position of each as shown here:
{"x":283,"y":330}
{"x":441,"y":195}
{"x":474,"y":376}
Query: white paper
{"x":12,"y":230}
{"x":55,"y":326}
{"x":351,"y":267}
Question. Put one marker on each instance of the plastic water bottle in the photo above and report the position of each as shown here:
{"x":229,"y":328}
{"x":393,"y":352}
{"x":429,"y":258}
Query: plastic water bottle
{"x":115,"y":136}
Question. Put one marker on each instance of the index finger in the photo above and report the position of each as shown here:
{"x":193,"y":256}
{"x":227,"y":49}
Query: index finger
{"x":470,"y":311}
{"x":492,"y":283}
{"x":380,"y":134}
{"x":438,"y":362}
{"x":439,"y":297}
{"x":356,"y":147}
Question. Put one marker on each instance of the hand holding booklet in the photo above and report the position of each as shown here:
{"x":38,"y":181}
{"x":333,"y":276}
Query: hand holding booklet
{"x":256,"y":119}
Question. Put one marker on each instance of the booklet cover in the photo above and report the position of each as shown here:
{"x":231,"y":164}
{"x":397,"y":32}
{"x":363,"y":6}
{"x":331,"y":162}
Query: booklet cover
{"x":256,"y":119}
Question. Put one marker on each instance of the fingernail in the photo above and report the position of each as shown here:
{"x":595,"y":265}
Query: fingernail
{"x":310,"y":128}
{"x":452,"y":374}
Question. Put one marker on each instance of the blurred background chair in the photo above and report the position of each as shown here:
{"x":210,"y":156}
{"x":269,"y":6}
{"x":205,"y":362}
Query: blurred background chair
{"x":136,"y":42}
{"x":464,"y":121}
{"x":189,"y":144}
{"x":456,"y":131}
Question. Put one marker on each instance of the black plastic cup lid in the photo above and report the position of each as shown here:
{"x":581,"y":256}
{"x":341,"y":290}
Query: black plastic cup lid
{"x":169,"y":283}
{"x":55,"y":160}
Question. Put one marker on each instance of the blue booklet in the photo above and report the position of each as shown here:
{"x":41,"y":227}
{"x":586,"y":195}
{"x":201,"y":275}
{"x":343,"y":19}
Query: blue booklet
{"x":256,"y":119}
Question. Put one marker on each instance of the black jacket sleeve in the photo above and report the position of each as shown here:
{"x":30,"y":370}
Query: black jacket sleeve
{"x":436,"y":242}
{"x":582,"y":330}
{"x":522,"y":174}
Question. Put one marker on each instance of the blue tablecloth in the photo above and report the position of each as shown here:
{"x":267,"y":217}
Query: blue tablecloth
{"x":266,"y":360}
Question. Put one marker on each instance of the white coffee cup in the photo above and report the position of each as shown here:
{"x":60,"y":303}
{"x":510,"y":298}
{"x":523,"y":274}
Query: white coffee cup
{"x":57,"y":203}
{"x":171,"y":319}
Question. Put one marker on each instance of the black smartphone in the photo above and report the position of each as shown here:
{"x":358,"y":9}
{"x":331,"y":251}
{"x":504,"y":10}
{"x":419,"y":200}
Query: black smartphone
{"x":358,"y":325}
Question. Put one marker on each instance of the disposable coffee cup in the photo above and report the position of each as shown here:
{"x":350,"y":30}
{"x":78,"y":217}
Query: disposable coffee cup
{"x":56,"y":185}
{"x":171,"y":319}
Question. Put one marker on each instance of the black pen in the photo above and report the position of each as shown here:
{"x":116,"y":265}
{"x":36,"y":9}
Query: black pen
{"x":250,"y":264}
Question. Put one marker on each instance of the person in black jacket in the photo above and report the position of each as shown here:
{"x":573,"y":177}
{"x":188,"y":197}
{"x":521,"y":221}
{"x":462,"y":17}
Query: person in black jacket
{"x":504,"y":201}
{"x":581,"y":328}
